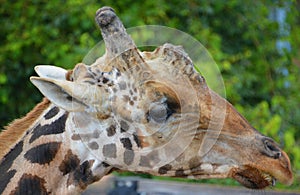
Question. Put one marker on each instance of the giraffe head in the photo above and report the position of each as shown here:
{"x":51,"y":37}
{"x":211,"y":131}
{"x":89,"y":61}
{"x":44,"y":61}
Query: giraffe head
{"x":161,"y":116}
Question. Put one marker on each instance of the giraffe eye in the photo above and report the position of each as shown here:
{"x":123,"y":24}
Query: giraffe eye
{"x":158,"y":112}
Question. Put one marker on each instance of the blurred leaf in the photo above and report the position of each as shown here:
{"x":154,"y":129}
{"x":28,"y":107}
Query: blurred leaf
{"x":3,"y":79}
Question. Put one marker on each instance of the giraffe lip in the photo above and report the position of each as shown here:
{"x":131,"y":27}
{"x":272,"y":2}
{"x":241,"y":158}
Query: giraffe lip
{"x":254,"y":178}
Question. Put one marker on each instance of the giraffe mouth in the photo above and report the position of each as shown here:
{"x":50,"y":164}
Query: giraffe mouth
{"x":254,"y":178}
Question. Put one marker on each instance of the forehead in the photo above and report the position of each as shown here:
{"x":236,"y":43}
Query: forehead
{"x":167,"y":64}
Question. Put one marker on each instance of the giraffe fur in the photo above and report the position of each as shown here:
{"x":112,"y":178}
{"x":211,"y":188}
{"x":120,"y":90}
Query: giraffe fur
{"x":13,"y":132}
{"x":149,"y":112}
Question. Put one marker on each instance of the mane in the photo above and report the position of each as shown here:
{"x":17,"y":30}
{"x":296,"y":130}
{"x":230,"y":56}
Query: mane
{"x":14,"y":131}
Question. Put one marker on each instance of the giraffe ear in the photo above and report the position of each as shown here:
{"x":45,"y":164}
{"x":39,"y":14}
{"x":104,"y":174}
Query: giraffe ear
{"x":48,"y":71}
{"x":62,"y":93}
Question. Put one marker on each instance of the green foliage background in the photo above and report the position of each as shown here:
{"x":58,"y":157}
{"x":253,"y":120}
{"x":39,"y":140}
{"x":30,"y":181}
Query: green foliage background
{"x":262,"y":83}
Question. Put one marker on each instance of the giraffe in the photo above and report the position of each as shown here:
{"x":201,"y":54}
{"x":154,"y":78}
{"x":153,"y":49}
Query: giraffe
{"x":145,"y":112}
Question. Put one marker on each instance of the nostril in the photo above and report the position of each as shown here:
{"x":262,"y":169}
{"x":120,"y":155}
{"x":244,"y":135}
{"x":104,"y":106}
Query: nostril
{"x":272,"y":149}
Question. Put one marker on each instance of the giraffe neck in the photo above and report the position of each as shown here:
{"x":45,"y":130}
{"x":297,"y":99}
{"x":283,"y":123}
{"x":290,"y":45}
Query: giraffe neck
{"x":51,"y":156}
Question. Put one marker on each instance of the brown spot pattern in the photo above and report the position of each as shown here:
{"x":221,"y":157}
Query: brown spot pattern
{"x":164,"y":169}
{"x":179,"y":173}
{"x":93,"y":145}
{"x":144,"y":162}
{"x":110,"y":150}
{"x":111,"y":130}
{"x":30,"y":184}
{"x":124,"y":126}
{"x":128,"y":157}
{"x":70,"y":163}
